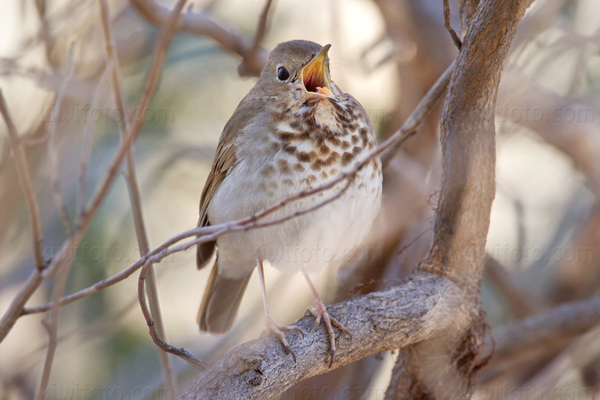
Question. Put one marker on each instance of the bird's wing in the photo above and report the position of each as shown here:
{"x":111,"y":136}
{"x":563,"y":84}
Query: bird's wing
{"x":225,"y":160}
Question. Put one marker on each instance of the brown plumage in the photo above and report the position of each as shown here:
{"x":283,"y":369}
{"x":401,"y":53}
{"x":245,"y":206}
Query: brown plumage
{"x":294,"y":131}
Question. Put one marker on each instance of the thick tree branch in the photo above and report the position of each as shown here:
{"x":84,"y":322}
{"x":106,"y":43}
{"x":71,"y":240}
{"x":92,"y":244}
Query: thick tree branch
{"x":378,"y":322}
{"x":468,"y":144}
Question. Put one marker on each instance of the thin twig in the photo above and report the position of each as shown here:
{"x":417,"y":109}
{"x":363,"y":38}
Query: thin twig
{"x":86,"y":151}
{"x":201,"y":24}
{"x":15,"y":309}
{"x":52,"y":326}
{"x":27,"y":187}
{"x":209,"y":233}
{"x":448,"y":25}
{"x":262,"y":28}
{"x":521,"y":303}
{"x":52,"y":151}
{"x":135,"y":197}
{"x":156,"y":337}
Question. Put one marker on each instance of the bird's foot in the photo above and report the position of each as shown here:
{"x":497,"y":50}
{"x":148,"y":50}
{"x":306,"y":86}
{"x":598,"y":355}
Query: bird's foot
{"x":320,"y":312}
{"x":279,"y":330}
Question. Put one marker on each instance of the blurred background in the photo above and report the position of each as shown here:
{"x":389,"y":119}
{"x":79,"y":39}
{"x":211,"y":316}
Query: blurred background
{"x":544,"y":239}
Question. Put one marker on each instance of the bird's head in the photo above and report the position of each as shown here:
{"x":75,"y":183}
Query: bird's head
{"x":299,"y":70}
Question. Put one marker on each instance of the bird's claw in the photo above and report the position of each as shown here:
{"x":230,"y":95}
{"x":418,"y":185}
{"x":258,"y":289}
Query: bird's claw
{"x":279,"y":330}
{"x":320,"y":312}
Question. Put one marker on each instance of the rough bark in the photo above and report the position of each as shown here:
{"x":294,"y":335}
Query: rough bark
{"x":381,"y":321}
{"x":441,"y":316}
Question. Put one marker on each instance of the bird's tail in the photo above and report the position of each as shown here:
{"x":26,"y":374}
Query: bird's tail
{"x":220,"y":302}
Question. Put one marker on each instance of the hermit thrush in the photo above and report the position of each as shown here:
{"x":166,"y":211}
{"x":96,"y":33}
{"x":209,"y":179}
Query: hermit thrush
{"x":294,"y":131}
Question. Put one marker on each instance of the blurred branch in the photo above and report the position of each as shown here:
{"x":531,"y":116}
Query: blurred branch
{"x":579,"y":353}
{"x":156,"y":336}
{"x":521,"y":304}
{"x":134,"y":193}
{"x":448,"y":25}
{"x":28,"y":190}
{"x":15,"y":309}
{"x":390,"y":145}
{"x":418,"y":116}
{"x":253,"y":59}
{"x":568,"y":320}
{"x":258,"y":370}
{"x":52,"y":151}
{"x":86,"y":152}
{"x":51,"y":324}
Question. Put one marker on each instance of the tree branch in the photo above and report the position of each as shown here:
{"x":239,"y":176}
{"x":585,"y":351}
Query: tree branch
{"x":253,"y":59}
{"x":564,"y":321}
{"x":134,"y":195}
{"x":27,"y":186}
{"x":15,"y":309}
{"x":378,"y":322}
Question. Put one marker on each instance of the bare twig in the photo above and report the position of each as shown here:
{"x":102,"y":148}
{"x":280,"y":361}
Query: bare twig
{"x":448,"y":25}
{"x":52,"y":326}
{"x":52,"y":151}
{"x":156,"y":337}
{"x":388,"y":147}
{"x":579,"y":353}
{"x":262,"y":28}
{"x":520,"y":303}
{"x":86,"y":151}
{"x":27,"y":187}
{"x":200,"y":24}
{"x":564,"y":321}
{"x":15,"y":309}
{"x":135,"y":197}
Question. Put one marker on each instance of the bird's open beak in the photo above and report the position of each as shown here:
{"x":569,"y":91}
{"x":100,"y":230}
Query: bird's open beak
{"x":314,"y":75}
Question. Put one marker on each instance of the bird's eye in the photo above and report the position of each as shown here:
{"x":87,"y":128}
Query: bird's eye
{"x":282,"y":74}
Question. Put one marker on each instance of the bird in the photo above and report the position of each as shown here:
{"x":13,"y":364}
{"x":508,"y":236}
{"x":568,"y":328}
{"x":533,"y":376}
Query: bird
{"x":294,"y":131}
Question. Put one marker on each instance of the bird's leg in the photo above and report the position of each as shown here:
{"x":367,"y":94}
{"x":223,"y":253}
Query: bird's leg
{"x":269,"y":323}
{"x":319,"y":311}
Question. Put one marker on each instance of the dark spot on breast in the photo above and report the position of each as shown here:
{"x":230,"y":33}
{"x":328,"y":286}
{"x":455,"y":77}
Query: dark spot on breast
{"x":324,"y":175}
{"x":345,"y":145}
{"x":288,"y":182}
{"x":356,"y":150}
{"x":285,"y":136}
{"x":275,"y":146}
{"x":347,"y":158}
{"x":298,"y":167}
{"x":284,"y":166}
{"x":306,"y":157}
{"x":288,"y":148}
{"x":310,"y":179}
{"x":324,"y":149}
{"x":354,"y":139}
{"x":268,"y":169}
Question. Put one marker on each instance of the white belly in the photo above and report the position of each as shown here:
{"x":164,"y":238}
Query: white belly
{"x":326,"y":236}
